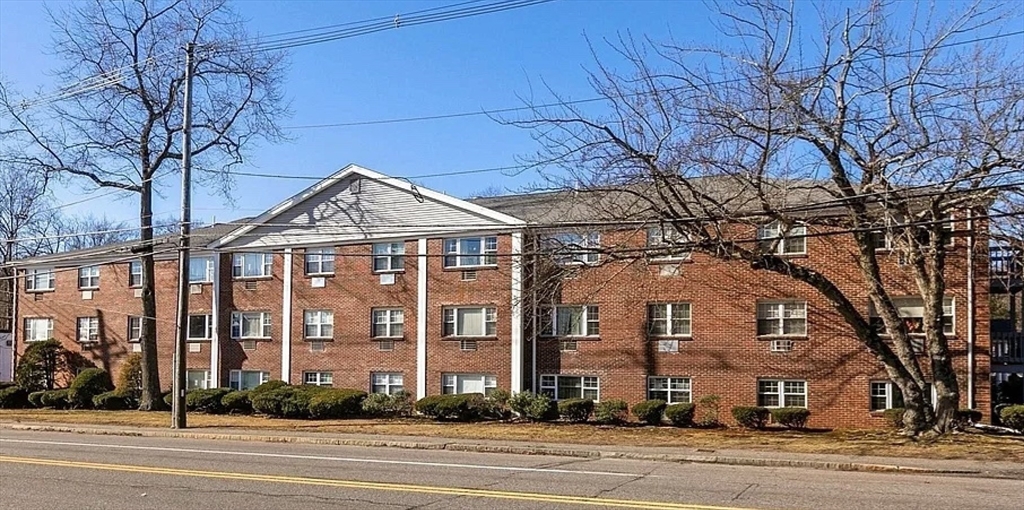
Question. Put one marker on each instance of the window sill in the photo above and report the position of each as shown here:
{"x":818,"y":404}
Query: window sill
{"x":389,"y":271}
{"x":571,"y":337}
{"x":251,"y":278}
{"x":468,"y":337}
{"x":204,"y":282}
{"x":318,"y":339}
{"x":782,"y":337}
{"x":655,"y":338}
{"x":198,"y":339}
{"x":470,"y":268}
{"x":387,"y":338}
{"x":90,"y":289}
{"x":320,"y":275}
{"x":39,"y":291}
{"x":253,"y":339}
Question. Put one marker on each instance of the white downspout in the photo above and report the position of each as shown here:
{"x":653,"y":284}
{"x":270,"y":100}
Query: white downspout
{"x":286,"y":319}
{"x":970,"y":310}
{"x":421,"y":319}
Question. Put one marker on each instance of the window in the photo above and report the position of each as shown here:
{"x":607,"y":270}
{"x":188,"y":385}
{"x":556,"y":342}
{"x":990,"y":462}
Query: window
{"x":39,"y":279}
{"x":88,"y":329}
{"x":388,"y":257}
{"x":386,"y":383}
{"x":197,"y":379}
{"x":560,"y":387}
{"x":886,"y":395}
{"x":200,"y":327}
{"x":667,"y":243}
{"x":778,"y":393}
{"x":318,"y":378}
{"x":672,"y":319}
{"x":774,"y":238}
{"x":135,"y":273}
{"x":134,"y":328}
{"x":570,"y":321}
{"x":89,"y":277}
{"x":388,"y":322}
{"x":38,"y":329}
{"x":674,"y":390}
{"x":573,"y":248}
{"x":465,"y":321}
{"x":320,"y":261}
{"x":200,"y":270}
{"x":782,"y":318}
{"x":247,"y":379}
{"x":319,"y":324}
{"x":468,"y":383}
{"x":251,"y":265}
{"x":471,"y":252}
{"x":250,"y":325}
{"x":911,"y":310}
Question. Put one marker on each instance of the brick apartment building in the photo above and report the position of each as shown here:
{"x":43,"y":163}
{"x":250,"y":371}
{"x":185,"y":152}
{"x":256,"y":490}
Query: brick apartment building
{"x":370,"y":282}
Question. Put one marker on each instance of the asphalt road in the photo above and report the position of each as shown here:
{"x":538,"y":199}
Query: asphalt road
{"x":55,"y":471}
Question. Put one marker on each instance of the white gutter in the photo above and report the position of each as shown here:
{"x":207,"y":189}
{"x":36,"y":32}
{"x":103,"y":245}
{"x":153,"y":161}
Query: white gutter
{"x":970,"y":310}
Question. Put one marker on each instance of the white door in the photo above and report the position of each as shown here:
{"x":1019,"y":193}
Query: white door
{"x":6,"y":357}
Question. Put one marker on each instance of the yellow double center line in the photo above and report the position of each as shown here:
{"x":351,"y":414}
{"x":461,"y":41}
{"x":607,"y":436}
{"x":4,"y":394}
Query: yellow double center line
{"x":353,"y":484}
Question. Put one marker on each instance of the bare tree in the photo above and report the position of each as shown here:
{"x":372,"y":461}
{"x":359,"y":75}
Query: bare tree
{"x":860,"y":131}
{"x":118,"y":122}
{"x":24,"y":204}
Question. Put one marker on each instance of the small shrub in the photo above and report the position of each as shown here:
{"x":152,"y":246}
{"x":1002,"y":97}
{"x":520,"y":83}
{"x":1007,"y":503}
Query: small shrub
{"x":57,"y":399}
{"x":680,"y":415}
{"x":6,"y":384}
{"x":388,"y":406}
{"x":894,"y":417}
{"x":965,"y":418}
{"x":649,"y":411}
{"x":462,"y":407}
{"x":236,"y":402}
{"x":265,"y":387}
{"x":285,"y":401}
{"x":611,"y":412}
{"x":35,"y":398}
{"x":168,"y":398}
{"x":206,"y":401}
{"x":41,"y":364}
{"x":1013,"y":417}
{"x":710,"y":407}
{"x":13,"y":397}
{"x":89,"y":383}
{"x":791,"y":417}
{"x":496,"y":405}
{"x":129,"y":379}
{"x":533,"y":406}
{"x":336,"y":403}
{"x":112,"y":401}
{"x":751,"y":417}
{"x":576,"y":410}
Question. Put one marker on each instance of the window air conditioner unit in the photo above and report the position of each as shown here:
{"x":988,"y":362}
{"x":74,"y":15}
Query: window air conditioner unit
{"x":195,"y":288}
{"x":781,"y":345}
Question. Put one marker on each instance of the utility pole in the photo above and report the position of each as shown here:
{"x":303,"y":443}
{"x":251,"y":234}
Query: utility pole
{"x":178,"y":420}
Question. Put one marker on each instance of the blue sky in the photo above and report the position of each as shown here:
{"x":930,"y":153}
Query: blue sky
{"x":476,"y":63}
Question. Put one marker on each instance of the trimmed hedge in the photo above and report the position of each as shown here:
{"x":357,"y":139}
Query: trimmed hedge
{"x":382,"y":405}
{"x":611,"y":412}
{"x":576,"y":410}
{"x":13,"y":397}
{"x":533,"y":406}
{"x":649,"y":411}
{"x":680,"y":415}
{"x":336,"y":403}
{"x":57,"y":399}
{"x":894,"y":417}
{"x":168,"y":398}
{"x":265,"y":387}
{"x":1013,"y":417}
{"x":751,"y":417}
{"x":791,"y":417}
{"x":237,"y":402}
{"x":284,"y":401}
{"x":35,"y":398}
{"x":89,"y":383}
{"x":461,"y":407}
{"x":113,"y":401}
{"x":206,"y":401}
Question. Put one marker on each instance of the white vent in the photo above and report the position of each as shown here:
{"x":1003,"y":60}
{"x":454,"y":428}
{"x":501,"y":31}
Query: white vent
{"x":87,"y":294}
{"x":194,"y":347}
{"x":669,"y":270}
{"x":250,"y":285}
{"x":386,"y":345}
{"x":138,"y":293}
{"x":249,"y":345}
{"x":568,"y":346}
{"x":387,"y":278}
{"x":781,"y":345}
{"x":469,"y":276}
{"x":136,"y":347}
{"x":668,"y":345}
{"x":318,"y":282}
{"x":195,"y":288}
{"x":316,"y":347}
{"x":467,"y":345}
{"x":355,"y":186}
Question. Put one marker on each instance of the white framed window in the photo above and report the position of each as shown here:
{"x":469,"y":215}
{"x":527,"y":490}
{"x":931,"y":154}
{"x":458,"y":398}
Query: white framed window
{"x":471,"y":251}
{"x":782,"y":318}
{"x":38,"y":329}
{"x":674,"y":390}
{"x":669,"y":319}
{"x":318,"y":324}
{"x":319,"y":261}
{"x":387,"y":383}
{"x":886,"y":395}
{"x":89,"y":277}
{"x":388,"y":257}
{"x":911,"y":310}
{"x":200,"y":327}
{"x":667,"y":244}
{"x":135,"y":273}
{"x":200,"y":269}
{"x":468,"y":383}
{"x":197,"y":379}
{"x":570,"y":248}
{"x":251,"y":265}
{"x":470,"y":321}
{"x":388,"y":322}
{"x":134,"y":328}
{"x":247,"y":379}
{"x":250,"y":325}
{"x":88,"y":329}
{"x":561,"y":387}
{"x":38,"y":280}
{"x":568,"y":321}
{"x":774,"y":238}
{"x":318,"y":378}
{"x":781,"y":393}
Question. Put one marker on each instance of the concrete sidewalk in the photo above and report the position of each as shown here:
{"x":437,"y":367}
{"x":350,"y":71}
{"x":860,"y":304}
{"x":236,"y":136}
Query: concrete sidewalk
{"x":766,"y":458}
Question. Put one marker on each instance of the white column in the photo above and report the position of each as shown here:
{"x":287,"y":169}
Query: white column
{"x":517,"y":312}
{"x":215,"y":340}
{"x":421,"y":320}
{"x":286,"y":319}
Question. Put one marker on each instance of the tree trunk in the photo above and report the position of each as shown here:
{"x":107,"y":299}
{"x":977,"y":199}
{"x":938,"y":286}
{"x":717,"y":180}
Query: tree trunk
{"x":151,"y":396}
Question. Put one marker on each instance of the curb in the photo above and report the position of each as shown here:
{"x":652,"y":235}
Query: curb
{"x":518,"y":450}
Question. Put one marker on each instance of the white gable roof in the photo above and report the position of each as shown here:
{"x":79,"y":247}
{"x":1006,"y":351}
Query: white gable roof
{"x":357,"y":204}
